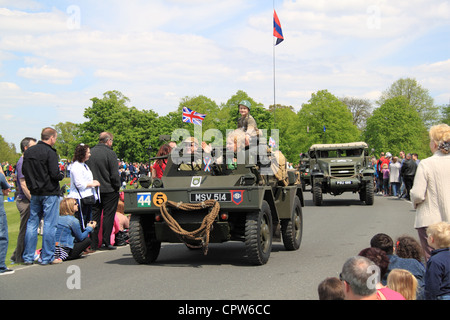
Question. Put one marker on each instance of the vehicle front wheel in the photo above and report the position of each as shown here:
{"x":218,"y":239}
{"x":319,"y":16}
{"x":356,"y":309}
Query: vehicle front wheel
{"x":369,"y":191}
{"x":259,"y":234}
{"x":317,"y":193}
{"x":143,"y":244}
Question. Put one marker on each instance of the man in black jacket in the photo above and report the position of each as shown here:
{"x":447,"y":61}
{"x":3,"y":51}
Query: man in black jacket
{"x":42,"y":176}
{"x":105,"y":168}
{"x":408,"y":171}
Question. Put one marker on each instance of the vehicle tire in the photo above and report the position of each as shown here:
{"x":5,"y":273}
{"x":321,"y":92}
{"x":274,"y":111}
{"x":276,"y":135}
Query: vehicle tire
{"x":317,"y":193}
{"x":303,"y":185}
{"x":259,"y":234}
{"x":369,"y":193}
{"x":143,"y":244}
{"x":292,"y":229}
{"x":362,"y":194}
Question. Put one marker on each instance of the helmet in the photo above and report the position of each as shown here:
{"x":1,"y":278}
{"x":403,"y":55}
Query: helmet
{"x":245,"y":103}
{"x":388,"y":155}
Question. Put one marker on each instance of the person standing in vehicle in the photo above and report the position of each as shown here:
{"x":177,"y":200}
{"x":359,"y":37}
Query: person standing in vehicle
{"x":247,"y":123}
{"x":105,"y":169}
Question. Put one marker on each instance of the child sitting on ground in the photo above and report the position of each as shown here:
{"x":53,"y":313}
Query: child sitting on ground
{"x":437,"y":276}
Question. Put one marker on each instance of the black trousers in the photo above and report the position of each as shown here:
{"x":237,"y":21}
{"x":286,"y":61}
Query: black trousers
{"x":107,"y":205}
{"x":409,"y":180}
{"x":78,"y":248}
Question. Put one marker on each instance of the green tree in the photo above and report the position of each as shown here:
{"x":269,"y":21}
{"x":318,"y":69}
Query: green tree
{"x":325,"y":119}
{"x":416,"y":96}
{"x":396,"y":126}
{"x":67,"y":139}
{"x":286,"y":123}
{"x":8,"y":152}
{"x":133,"y":130}
{"x":445,"y":114}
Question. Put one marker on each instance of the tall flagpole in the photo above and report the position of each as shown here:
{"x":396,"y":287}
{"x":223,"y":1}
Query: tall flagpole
{"x":274,"y":101}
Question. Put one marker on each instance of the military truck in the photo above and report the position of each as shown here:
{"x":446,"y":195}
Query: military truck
{"x":339,"y":168}
{"x":211,"y":203}
{"x":305,"y":176}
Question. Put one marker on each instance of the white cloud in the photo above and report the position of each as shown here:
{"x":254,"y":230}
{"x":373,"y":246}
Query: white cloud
{"x":157,"y":52}
{"x":47,"y":73}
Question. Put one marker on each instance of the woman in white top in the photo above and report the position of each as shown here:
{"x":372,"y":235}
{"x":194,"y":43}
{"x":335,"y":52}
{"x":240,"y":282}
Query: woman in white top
{"x":394,"y":176}
{"x":430,"y":194}
{"x":82,"y":183}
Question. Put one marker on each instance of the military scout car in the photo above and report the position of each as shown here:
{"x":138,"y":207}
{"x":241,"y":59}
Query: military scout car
{"x":339,"y":168}
{"x":210,"y":203}
{"x":305,"y":176}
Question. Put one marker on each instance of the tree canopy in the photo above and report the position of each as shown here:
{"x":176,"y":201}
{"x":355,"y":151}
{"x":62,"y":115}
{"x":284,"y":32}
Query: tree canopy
{"x":396,"y":126}
{"x":399,"y":123}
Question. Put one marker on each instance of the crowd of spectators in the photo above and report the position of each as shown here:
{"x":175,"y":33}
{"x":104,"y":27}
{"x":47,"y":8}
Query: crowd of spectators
{"x":394,"y":175}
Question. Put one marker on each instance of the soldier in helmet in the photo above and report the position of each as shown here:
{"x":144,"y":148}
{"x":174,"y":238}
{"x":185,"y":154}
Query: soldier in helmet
{"x":247,"y":123}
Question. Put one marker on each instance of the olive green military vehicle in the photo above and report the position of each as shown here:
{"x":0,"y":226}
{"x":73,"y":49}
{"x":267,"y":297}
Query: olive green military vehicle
{"x":339,"y":168}
{"x":305,"y":176}
{"x":200,"y":201}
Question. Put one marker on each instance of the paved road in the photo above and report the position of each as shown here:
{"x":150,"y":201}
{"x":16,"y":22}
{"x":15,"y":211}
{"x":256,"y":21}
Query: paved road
{"x":332,"y":233}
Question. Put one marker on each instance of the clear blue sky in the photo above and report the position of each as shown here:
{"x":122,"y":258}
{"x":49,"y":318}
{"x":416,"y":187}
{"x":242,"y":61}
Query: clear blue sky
{"x":57,"y":55}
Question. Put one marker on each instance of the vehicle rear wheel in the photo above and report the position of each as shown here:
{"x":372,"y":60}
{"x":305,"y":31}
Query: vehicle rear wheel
{"x":259,"y":234}
{"x":143,"y":244}
{"x":291,"y":230}
{"x":317,"y":193}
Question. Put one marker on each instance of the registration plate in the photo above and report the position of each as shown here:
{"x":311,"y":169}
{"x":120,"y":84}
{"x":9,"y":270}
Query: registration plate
{"x":218,"y":196}
{"x":344,"y":182}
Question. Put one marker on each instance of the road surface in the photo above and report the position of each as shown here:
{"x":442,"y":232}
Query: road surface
{"x":331,"y":233}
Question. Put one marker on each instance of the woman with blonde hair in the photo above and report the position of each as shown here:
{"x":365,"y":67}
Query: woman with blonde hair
{"x":403,"y":282}
{"x":430,"y":192}
{"x":70,"y":240}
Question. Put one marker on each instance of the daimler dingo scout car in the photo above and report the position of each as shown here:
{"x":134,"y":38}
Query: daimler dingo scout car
{"x":209,"y":202}
{"x":339,"y":168}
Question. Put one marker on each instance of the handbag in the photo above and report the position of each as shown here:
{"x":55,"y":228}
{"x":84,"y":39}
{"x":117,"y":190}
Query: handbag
{"x":90,"y":200}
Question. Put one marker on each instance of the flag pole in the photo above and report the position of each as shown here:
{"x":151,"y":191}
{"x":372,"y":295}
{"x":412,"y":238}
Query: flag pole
{"x":273,"y":55}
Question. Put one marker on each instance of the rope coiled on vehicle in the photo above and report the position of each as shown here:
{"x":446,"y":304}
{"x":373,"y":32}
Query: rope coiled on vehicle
{"x":201,"y":235}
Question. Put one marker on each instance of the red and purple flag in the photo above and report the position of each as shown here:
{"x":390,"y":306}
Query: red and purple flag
{"x":190,"y":116}
{"x":277,"y":32}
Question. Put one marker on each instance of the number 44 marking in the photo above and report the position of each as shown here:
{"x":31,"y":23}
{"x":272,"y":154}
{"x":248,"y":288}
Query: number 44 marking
{"x":144,"y":200}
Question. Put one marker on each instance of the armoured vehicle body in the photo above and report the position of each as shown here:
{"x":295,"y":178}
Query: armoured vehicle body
{"x":215,"y":204}
{"x":339,"y":168}
{"x":305,"y":174}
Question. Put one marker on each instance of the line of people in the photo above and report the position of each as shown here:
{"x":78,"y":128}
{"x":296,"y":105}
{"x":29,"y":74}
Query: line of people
{"x":92,"y":201}
{"x":395,"y":175}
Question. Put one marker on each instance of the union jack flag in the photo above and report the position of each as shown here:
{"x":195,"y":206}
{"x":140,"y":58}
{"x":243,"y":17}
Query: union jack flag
{"x":190,"y":116}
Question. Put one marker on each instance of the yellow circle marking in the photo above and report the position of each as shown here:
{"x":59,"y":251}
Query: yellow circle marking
{"x":159,"y":198}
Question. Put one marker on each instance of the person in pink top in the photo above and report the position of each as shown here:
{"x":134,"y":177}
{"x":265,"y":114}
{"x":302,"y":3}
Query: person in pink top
{"x":380,"y":258}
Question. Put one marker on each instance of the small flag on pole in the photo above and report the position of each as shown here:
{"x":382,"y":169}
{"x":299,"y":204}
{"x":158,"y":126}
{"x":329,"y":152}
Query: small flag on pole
{"x":272,"y":142}
{"x":277,"y":32}
{"x":190,"y":116}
